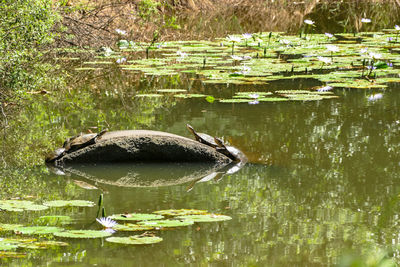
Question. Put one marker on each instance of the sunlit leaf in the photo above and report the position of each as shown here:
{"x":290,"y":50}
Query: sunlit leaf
{"x":132,"y":227}
{"x":166,"y":223}
{"x":135,"y":240}
{"x":82,"y":234}
{"x":135,"y":217}
{"x":180,"y":212}
{"x":205,"y":218}
{"x":69,"y":203}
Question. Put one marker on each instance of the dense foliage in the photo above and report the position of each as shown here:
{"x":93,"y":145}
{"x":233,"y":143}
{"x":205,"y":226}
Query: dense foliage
{"x":25,"y":27}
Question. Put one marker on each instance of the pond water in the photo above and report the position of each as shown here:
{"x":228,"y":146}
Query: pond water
{"x":321,"y":186}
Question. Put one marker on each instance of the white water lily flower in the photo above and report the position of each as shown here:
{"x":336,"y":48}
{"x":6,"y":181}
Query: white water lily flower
{"x":234,"y":39}
{"x":374,"y":55}
{"x":364,"y":50}
{"x":254,"y":95}
{"x":325,"y":88}
{"x":121,"y":32}
{"x":309,"y":22}
{"x":181,"y":54}
{"x":365,"y":20}
{"x":329,"y":35}
{"x":284,"y":41}
{"x":254,"y":102}
{"x":397,"y":27}
{"x":238,"y":58}
{"x":332,"y":48}
{"x":325,"y":60}
{"x":245,"y":69}
{"x":106,"y":222}
{"x":121,"y":60}
{"x":247,"y":36}
{"x":109,"y":230}
{"x":375,"y":97}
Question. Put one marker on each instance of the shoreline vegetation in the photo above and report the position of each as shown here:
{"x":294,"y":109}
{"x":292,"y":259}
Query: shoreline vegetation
{"x":93,"y":23}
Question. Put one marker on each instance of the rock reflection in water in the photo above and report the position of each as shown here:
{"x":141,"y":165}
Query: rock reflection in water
{"x":149,"y":174}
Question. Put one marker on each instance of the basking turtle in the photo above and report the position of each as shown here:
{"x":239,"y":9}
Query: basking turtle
{"x":70,"y":139}
{"x":202,"y":137}
{"x":55,"y":155}
{"x":229,"y":151}
{"x":82,"y":141}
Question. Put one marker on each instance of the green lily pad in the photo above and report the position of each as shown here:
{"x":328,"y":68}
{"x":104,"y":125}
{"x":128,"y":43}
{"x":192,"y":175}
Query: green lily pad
{"x":272,"y":99}
{"x":135,"y":240}
{"x":251,"y":95}
{"x":9,"y":227}
{"x":82,"y":234}
{"x":136,"y":217}
{"x":132,"y":227}
{"x":44,"y":244}
{"x":205,"y":217}
{"x":87,"y":68}
{"x":166,"y":223}
{"x":189,"y":95}
{"x":20,"y":205}
{"x":171,"y":90}
{"x":38,"y":230}
{"x":69,"y":203}
{"x":180,"y":212}
{"x":148,"y":95}
{"x":7,"y":246}
{"x":235,"y":100}
{"x":11,"y":254}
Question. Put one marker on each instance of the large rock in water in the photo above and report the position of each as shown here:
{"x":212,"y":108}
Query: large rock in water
{"x":143,"y":146}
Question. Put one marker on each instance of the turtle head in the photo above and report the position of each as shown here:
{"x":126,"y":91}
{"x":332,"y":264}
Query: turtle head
{"x":102,"y":132}
{"x":219,"y":142}
{"x":191,"y":130}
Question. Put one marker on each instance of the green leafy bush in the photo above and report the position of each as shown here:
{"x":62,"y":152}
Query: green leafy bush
{"x":25,"y":28}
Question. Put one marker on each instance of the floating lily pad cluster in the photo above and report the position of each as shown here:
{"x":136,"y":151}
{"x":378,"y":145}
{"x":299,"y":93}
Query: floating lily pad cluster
{"x":26,"y":205}
{"x":367,"y":60}
{"x":50,"y":226}
{"x":47,"y":225}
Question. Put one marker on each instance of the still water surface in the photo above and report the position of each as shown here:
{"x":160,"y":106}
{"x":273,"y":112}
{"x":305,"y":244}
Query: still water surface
{"x":323,"y":179}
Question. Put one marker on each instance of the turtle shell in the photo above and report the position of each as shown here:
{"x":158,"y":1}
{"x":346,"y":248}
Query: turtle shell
{"x":81,"y":141}
{"x":202,"y":137}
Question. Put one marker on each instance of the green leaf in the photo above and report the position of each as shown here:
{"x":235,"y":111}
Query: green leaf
{"x":171,"y":90}
{"x":132,"y":227}
{"x":180,"y":212}
{"x":82,"y":234}
{"x":205,"y":218}
{"x":20,"y":205}
{"x":148,"y":95}
{"x":38,"y":230}
{"x":166,"y":223}
{"x":69,"y":203}
{"x":135,"y":217}
{"x":9,"y":227}
{"x":135,"y":240}
{"x":189,"y":95}
{"x":210,"y":99}
{"x":44,"y":244}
